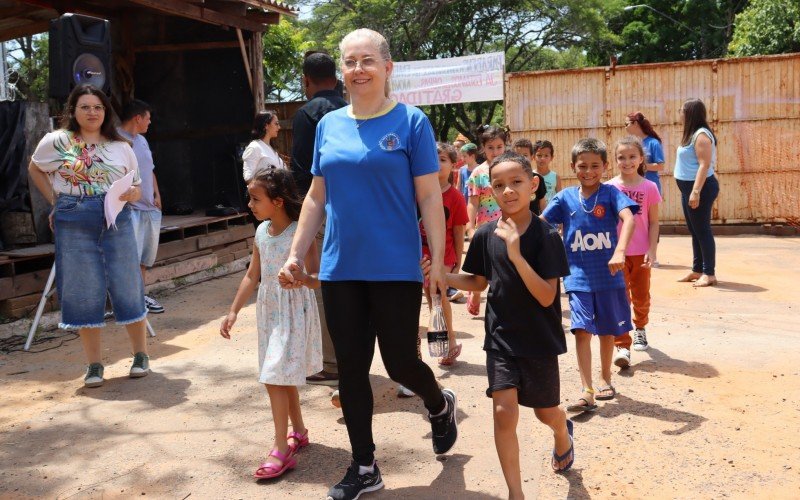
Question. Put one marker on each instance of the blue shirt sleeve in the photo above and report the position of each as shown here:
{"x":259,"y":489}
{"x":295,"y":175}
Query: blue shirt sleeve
{"x":315,"y":168}
{"x":656,"y":151}
{"x":553,"y":212}
{"x":424,"y":158}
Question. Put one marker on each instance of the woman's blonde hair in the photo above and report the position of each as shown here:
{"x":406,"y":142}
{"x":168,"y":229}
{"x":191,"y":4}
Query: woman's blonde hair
{"x":378,"y":41}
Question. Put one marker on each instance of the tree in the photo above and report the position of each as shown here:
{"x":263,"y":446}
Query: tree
{"x":28,"y":62}
{"x":284,"y":46}
{"x":530,"y":32}
{"x":767,"y":27}
{"x":663,"y":30}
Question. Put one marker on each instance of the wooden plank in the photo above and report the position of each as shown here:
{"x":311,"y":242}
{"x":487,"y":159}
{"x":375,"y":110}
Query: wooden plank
{"x":6,"y":288}
{"x":182,"y":268}
{"x":264,"y":17}
{"x":27,"y":283}
{"x":37,"y":251}
{"x":185,"y":47}
{"x":176,"y":248}
{"x":24,"y":30}
{"x":222,"y":237}
{"x":203,"y":14}
{"x":179,"y":258}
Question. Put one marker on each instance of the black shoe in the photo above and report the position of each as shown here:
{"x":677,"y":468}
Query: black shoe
{"x":354,"y":484}
{"x":444,"y":428}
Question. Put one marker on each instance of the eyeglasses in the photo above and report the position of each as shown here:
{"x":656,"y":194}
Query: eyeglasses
{"x":366,"y":63}
{"x":97,"y":108}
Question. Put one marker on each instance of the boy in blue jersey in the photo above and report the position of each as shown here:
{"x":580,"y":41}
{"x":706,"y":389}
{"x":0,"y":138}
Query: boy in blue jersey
{"x":597,"y":301}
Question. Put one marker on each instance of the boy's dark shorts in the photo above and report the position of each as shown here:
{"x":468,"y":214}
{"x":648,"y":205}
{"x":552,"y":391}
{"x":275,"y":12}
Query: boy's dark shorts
{"x":536,"y":379}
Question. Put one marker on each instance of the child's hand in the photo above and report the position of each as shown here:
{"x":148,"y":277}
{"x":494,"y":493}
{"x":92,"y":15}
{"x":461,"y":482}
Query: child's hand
{"x":648,"y":260}
{"x":425,"y":266}
{"x":292,"y":275}
{"x":617,"y":263}
{"x":227,"y":324}
{"x":508,"y":232}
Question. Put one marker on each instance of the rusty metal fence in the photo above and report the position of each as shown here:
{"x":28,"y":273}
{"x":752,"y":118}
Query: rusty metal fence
{"x":754,"y":110}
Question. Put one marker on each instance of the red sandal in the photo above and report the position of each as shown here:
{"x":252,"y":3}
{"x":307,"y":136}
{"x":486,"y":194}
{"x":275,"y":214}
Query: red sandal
{"x":301,"y":441}
{"x":269,"y":470}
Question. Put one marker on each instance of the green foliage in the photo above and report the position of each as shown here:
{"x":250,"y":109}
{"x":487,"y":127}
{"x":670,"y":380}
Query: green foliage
{"x":28,"y":59}
{"x":767,"y":27}
{"x":284,"y":46}
{"x":534,"y":34}
{"x":665,"y":30}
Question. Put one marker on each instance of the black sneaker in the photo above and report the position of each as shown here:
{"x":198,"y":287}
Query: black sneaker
{"x":153,"y":305}
{"x":354,"y":484}
{"x":444,"y":428}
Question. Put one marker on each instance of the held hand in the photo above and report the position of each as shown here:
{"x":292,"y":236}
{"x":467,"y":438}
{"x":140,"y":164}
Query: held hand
{"x":132,"y":194}
{"x":508,"y":232}
{"x":227,"y":324}
{"x":299,"y":277}
{"x":694,"y":200}
{"x":617,"y":263}
{"x":425,"y":266}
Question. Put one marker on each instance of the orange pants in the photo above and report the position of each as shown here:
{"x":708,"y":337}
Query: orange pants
{"x":637,"y":283}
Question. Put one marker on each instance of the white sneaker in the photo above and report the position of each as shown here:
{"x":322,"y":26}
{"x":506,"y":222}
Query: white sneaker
{"x":622,"y":358}
{"x":640,"y":340}
{"x":404,"y":392}
{"x":153,"y":305}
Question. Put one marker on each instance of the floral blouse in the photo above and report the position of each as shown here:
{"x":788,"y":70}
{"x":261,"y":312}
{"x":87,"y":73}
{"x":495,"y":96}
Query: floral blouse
{"x":81,"y":169}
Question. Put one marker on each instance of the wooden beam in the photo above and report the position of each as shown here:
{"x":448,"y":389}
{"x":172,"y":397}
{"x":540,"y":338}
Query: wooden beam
{"x":183,"y":9}
{"x":261,"y":4}
{"x":264,"y":17}
{"x":24,"y":30}
{"x":244,"y":59}
{"x":183,"y":47}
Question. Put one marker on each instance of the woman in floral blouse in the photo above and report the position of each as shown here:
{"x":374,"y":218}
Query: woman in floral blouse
{"x":73,"y":168}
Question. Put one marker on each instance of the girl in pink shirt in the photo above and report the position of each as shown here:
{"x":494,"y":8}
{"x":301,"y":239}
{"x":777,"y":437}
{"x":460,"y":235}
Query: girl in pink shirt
{"x":639,"y":256}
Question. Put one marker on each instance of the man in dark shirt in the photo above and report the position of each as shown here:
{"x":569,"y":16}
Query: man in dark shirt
{"x":319,"y":81}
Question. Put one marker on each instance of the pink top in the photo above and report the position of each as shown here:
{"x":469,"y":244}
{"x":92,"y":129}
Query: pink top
{"x":645,"y":194}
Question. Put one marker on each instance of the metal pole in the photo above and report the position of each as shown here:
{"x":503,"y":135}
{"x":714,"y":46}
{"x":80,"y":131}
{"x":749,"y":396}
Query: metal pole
{"x":40,"y":309}
{"x":3,"y":70}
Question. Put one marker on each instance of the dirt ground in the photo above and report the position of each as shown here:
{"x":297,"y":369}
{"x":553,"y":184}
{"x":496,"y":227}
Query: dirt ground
{"x":709,"y":411}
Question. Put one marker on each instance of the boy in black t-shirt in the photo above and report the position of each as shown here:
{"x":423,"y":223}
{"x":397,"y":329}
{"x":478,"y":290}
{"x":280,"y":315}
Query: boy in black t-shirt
{"x":521,"y":258}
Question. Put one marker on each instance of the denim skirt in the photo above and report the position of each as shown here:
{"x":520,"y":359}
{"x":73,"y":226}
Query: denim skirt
{"x":94,"y":262}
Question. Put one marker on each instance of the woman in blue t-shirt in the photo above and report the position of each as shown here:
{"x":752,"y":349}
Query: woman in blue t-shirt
{"x":694,"y":173}
{"x":637,"y":125}
{"x":374,"y":161}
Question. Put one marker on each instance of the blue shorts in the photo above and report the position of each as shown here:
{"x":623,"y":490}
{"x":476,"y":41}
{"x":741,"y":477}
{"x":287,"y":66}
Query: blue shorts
{"x":600,"y":313}
{"x":146,"y":228}
{"x":93,"y":262}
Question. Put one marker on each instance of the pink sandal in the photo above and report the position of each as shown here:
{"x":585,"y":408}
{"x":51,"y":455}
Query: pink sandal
{"x":451,"y":357}
{"x":302,"y":441}
{"x":269,"y":470}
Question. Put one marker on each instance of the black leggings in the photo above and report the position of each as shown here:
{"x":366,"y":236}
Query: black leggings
{"x":357,"y":312}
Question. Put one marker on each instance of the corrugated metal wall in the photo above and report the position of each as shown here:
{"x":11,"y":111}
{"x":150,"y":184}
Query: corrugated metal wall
{"x":754,"y":109}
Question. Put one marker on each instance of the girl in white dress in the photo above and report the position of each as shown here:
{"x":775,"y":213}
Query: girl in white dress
{"x":289,"y":338}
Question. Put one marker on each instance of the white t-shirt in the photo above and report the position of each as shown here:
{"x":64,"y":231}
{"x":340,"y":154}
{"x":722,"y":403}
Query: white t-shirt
{"x":259,"y":156}
{"x":81,"y":169}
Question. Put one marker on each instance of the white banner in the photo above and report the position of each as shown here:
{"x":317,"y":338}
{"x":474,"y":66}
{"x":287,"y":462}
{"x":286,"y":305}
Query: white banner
{"x":446,"y":81}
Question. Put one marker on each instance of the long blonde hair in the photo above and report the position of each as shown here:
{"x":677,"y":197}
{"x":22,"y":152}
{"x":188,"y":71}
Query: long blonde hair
{"x":378,"y":41}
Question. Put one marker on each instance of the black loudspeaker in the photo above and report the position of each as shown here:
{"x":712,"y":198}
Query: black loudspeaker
{"x":80,"y":52}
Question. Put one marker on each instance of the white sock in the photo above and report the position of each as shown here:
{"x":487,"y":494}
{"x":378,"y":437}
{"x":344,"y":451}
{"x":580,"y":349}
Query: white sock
{"x":446,"y":405}
{"x":366,"y":470}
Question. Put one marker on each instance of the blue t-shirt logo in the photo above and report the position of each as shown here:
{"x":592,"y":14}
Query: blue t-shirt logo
{"x":590,"y":241}
{"x":389,"y":142}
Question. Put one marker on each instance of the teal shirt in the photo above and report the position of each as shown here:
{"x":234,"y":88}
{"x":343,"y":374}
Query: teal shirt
{"x":686,"y":164}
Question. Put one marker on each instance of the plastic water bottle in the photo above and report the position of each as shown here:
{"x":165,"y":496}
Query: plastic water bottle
{"x":437,"y":330}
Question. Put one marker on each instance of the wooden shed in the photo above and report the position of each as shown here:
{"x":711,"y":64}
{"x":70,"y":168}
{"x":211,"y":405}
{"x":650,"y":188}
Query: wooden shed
{"x":753,"y":105}
{"x":199,"y":64}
